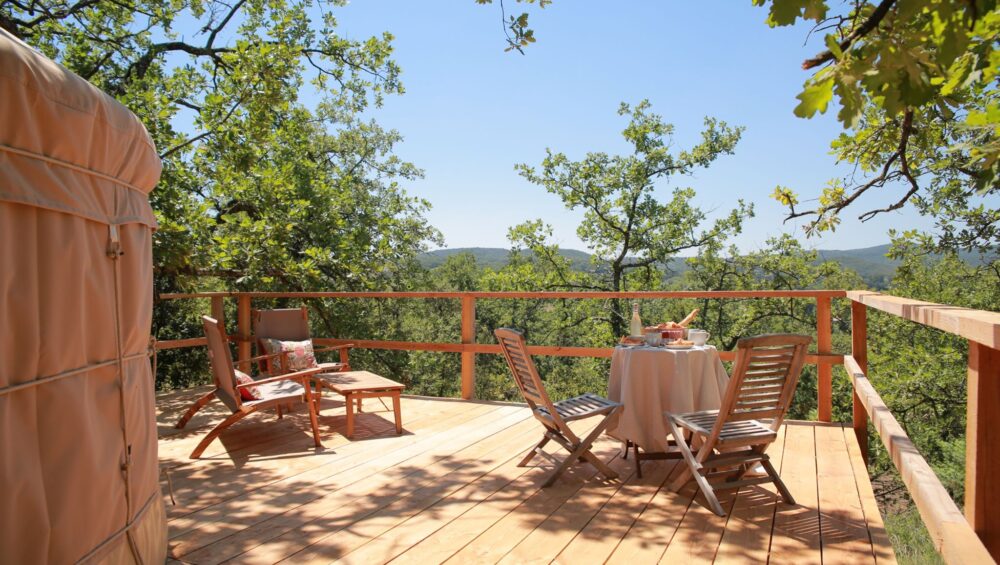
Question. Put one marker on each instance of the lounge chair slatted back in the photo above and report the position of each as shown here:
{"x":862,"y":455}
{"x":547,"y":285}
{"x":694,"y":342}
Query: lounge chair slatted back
{"x":286,"y":324}
{"x":555,"y":415}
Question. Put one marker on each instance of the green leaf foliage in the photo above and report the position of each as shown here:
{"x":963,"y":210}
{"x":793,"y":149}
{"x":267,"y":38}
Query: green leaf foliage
{"x":627,"y":225}
{"x":263,"y":187}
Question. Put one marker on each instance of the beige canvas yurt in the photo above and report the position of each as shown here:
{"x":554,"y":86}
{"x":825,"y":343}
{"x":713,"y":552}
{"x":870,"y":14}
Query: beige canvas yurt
{"x":78,"y":462}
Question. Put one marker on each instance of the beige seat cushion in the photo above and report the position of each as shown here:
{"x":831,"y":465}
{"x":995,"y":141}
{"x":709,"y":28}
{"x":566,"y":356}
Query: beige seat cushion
{"x":279,"y":389}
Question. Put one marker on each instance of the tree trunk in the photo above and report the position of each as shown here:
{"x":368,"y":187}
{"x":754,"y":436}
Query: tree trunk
{"x":620,"y":312}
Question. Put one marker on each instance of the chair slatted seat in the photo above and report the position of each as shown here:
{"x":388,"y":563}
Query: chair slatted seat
{"x":734,"y":438}
{"x":554,"y":416}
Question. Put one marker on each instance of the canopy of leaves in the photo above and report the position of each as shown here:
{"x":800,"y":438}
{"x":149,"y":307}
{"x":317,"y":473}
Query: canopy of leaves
{"x":916,"y":85}
{"x":916,"y":82}
{"x":626,"y":226}
{"x":273,"y":177}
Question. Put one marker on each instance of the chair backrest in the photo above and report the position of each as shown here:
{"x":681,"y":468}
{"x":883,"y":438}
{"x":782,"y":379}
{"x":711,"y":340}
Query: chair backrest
{"x":285,"y":324}
{"x":523,"y":368}
{"x":223,"y":371}
{"x":765,"y":374}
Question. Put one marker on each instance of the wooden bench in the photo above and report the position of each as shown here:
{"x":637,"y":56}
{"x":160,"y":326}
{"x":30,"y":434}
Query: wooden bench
{"x":357,"y":385}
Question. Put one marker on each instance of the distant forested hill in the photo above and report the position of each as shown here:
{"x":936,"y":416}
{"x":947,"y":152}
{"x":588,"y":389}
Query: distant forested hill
{"x":870,"y":263}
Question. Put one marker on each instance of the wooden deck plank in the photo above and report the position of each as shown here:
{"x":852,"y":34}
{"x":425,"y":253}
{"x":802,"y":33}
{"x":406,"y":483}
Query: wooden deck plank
{"x":271,"y":443}
{"x":450,"y":489}
{"x":549,"y":538}
{"x":285,"y":493}
{"x":273,"y":450}
{"x":873,"y":517}
{"x":843,"y":532}
{"x":795,"y":533}
{"x":748,"y":533}
{"x":700,"y":531}
{"x":599,"y":539}
{"x":506,"y":533}
{"x":264,"y":427}
{"x":234,"y":481}
{"x":405,"y":530}
{"x":416,"y":528}
{"x":654,"y":528}
{"x":452,"y":537}
{"x":318,"y":524}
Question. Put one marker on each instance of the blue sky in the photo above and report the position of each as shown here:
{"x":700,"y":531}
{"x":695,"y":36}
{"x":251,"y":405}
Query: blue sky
{"x":471,"y":111}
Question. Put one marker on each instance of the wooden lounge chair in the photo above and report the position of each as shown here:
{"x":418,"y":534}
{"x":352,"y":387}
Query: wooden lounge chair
{"x":555,"y":416}
{"x":733,"y":439}
{"x":286,"y":324}
{"x":286,"y":389}
{"x":290,"y":324}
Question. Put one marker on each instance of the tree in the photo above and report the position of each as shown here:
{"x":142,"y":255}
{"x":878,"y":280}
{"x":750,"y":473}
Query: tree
{"x":916,"y":82}
{"x":273,"y":177}
{"x":515,"y":28}
{"x":261,"y":186}
{"x":631,"y":233}
{"x":782,"y":264}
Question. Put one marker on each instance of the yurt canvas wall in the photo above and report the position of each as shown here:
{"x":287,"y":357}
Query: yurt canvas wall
{"x":78,"y":462}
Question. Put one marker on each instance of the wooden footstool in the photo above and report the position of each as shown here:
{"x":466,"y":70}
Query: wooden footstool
{"x":355,"y":385}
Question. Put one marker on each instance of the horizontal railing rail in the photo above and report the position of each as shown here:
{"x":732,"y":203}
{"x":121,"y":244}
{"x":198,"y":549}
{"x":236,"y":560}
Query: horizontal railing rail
{"x":982,"y":435}
{"x":468,"y":348}
{"x":972,"y":539}
{"x":951,"y":534}
{"x":538,"y":295}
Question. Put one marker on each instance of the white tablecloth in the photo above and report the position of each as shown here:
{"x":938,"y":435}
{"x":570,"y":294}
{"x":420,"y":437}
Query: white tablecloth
{"x":651,"y":380}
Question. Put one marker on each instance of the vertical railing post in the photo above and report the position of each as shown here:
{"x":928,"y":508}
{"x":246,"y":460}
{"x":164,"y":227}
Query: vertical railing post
{"x":219,"y":309}
{"x":982,"y":445}
{"x":824,"y":342}
{"x":859,"y":350}
{"x":243,"y":325}
{"x":468,"y":337}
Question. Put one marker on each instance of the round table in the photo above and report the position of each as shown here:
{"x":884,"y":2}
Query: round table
{"x":649,"y":381}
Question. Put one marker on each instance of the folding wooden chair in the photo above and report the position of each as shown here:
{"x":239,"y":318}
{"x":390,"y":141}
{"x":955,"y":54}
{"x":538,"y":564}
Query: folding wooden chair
{"x":275,"y":391}
{"x":733,"y":438}
{"x":555,"y":416}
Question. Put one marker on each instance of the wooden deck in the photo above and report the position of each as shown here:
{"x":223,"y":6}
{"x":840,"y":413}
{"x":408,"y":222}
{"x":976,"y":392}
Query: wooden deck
{"x":449,"y":489}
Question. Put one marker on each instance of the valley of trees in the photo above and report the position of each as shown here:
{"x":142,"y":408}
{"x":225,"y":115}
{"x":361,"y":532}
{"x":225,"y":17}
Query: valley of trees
{"x":263,"y":191}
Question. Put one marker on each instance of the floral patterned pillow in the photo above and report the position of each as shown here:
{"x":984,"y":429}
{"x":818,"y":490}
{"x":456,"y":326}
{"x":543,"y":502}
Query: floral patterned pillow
{"x":249,"y":393}
{"x":298,"y":354}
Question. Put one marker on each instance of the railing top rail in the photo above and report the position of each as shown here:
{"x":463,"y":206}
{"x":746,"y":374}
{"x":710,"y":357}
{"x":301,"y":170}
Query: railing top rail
{"x":950,"y":533}
{"x":978,"y":325}
{"x":541,"y":295}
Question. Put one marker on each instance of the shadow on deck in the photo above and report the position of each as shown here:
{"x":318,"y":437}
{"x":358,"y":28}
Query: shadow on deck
{"x":448,"y":488}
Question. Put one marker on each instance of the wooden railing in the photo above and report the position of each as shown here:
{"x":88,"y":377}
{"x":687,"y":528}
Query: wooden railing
{"x":959,"y":539}
{"x":468,"y":347}
{"x":974,"y":538}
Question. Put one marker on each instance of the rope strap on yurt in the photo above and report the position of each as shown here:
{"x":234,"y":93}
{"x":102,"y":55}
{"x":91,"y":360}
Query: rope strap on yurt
{"x":70,"y":166}
{"x":124,"y":530}
{"x":69,"y":373}
{"x":115,"y":253}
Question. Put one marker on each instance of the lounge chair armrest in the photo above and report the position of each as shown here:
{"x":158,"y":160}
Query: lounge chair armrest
{"x":324,"y":348}
{"x":266,"y":356}
{"x":296,"y":376}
